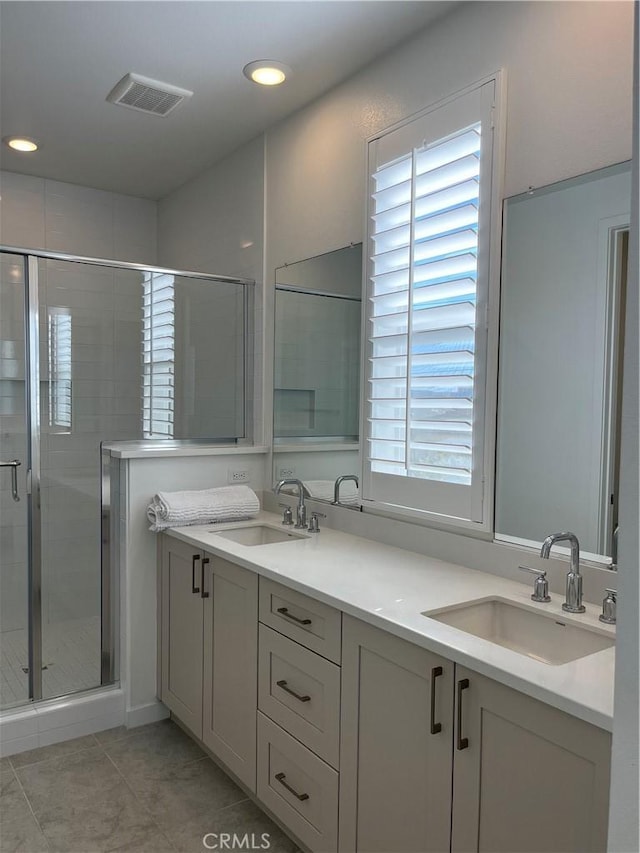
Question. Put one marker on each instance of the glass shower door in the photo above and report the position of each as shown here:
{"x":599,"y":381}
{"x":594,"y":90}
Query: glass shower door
{"x":91,"y":372}
{"x":14,"y":515}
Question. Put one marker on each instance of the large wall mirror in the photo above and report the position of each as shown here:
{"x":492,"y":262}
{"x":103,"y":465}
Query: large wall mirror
{"x":317,"y":371}
{"x":560,"y":374}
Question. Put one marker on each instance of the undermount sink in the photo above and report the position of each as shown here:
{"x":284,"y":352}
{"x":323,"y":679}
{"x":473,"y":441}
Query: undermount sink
{"x":544,"y":637}
{"x":259,"y":534}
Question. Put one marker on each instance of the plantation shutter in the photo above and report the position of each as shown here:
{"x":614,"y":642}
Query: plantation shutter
{"x":59,"y":358}
{"x":158,"y":355}
{"x":429,"y":229}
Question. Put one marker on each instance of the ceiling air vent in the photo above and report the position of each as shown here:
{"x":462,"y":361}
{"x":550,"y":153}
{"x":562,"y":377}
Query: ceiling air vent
{"x":147,"y":96}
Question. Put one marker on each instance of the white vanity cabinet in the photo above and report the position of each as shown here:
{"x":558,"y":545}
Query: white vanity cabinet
{"x":209,"y":651}
{"x":361,"y":742}
{"x":524,"y":776}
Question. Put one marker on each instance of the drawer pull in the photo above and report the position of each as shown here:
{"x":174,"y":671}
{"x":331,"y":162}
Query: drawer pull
{"x":463,"y":742}
{"x":436,"y":672}
{"x":194,"y":589}
{"x":280,"y":778}
{"x":284,"y":611}
{"x":283,"y":685}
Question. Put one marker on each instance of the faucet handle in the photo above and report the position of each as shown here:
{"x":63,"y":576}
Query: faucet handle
{"x":609,"y":607}
{"x":314,"y":526}
{"x":287,"y":515}
{"x":540,"y":584}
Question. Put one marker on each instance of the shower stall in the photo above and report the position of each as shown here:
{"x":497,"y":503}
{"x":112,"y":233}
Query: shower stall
{"x":95,"y":351}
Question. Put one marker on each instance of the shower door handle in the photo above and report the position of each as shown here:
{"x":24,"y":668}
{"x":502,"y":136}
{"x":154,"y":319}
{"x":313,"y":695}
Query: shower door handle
{"x":14,"y":476}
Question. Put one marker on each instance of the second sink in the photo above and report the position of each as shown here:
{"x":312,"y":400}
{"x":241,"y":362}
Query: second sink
{"x":259,"y":534}
{"x":545,"y":637}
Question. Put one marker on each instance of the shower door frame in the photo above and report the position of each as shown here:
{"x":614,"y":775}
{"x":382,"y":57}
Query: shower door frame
{"x":109,"y":614}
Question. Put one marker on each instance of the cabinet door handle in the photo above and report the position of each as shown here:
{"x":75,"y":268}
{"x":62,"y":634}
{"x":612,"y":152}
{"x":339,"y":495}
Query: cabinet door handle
{"x":284,"y":611}
{"x":281,"y":777}
{"x":194,"y":589}
{"x":462,"y":742}
{"x":436,"y":672}
{"x":283,"y":685}
{"x":203,"y":594}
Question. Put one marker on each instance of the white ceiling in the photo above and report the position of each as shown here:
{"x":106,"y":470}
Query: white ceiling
{"x":59,"y":60}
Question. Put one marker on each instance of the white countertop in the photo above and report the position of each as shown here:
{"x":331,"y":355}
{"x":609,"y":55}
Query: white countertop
{"x":390,"y":587}
{"x":150,"y":449}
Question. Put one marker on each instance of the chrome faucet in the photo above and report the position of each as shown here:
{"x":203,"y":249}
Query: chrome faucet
{"x":301,"y":511}
{"x":573,"y":599}
{"x":336,"y":488}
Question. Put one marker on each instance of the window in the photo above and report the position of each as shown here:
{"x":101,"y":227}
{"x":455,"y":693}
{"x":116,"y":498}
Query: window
{"x":59,"y":358}
{"x":427,"y":309}
{"x":158,"y":362}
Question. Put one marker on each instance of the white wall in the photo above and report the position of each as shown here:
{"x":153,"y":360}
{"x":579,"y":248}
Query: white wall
{"x":215,"y":224}
{"x":569,"y":89}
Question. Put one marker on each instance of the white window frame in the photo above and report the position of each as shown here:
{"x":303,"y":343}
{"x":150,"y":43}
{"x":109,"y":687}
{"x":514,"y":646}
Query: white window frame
{"x":425,"y":500}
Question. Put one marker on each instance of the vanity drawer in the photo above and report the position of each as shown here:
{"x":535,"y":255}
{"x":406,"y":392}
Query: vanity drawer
{"x":298,"y":787}
{"x":301,"y":691}
{"x":307,"y":621}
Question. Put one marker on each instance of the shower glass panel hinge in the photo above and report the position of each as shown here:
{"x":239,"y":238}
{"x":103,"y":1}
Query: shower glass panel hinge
{"x":28,"y":481}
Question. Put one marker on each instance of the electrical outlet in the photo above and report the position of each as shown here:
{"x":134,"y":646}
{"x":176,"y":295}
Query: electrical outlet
{"x":285,"y":473}
{"x":238,"y":476}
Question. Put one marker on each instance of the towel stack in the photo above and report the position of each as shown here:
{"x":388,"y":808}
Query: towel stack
{"x":179,"y":509}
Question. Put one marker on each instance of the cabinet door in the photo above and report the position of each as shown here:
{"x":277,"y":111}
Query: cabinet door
{"x":529,"y":777}
{"x":181,"y":632}
{"x":395,"y":758}
{"x":231,"y":666}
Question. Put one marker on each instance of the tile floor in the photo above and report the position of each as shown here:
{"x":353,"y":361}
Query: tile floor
{"x":146,"y":789}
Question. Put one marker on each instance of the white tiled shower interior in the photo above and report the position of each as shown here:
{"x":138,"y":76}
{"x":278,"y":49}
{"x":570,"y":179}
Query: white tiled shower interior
{"x":317,"y":356}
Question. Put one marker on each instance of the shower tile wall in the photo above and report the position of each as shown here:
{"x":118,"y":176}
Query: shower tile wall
{"x":316,"y":365}
{"x":105,"y":310}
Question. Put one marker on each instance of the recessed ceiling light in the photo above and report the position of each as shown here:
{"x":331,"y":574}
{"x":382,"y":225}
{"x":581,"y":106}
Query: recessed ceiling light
{"x":267,"y":72}
{"x":21,"y":143}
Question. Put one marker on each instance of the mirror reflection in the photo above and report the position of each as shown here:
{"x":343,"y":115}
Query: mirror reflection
{"x":560,"y":376}
{"x":317,"y":372}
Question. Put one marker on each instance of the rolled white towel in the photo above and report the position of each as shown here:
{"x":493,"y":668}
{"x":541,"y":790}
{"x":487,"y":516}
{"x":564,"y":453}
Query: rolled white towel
{"x":204,"y":506}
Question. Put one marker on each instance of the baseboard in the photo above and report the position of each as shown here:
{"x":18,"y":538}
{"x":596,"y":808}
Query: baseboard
{"x":143,"y":714}
{"x":57,"y":720}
